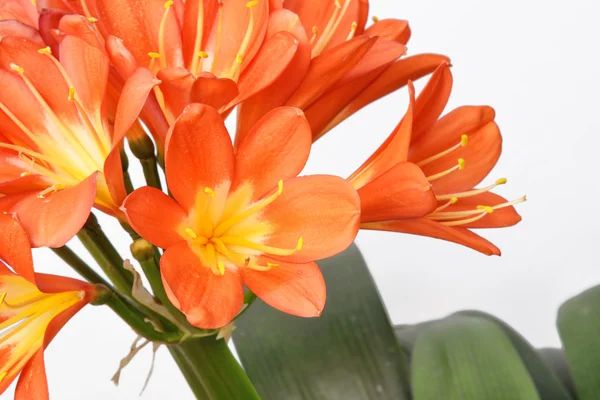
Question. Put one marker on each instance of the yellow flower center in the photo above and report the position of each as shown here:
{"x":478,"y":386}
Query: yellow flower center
{"x":228,"y":230}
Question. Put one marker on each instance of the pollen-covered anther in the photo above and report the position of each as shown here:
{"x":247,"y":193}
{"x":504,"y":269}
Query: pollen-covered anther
{"x":461,"y":164}
{"x":19,"y":70}
{"x":221,"y":267}
{"x":2,"y":376}
{"x":46,"y":50}
{"x":474,"y":192}
{"x":464,"y":140}
{"x":352,"y":30}
{"x":153,"y":54}
{"x":71,"y":93}
{"x":375,"y":19}
{"x":191,"y":233}
{"x":210,"y":192}
{"x":202,"y":54}
{"x":2,"y":297}
{"x":52,"y":189}
{"x":487,"y":209}
{"x":315,"y":32}
{"x":239,"y":59}
{"x":24,"y":174}
{"x":168,"y":4}
{"x":251,"y":4}
{"x":92,"y":20}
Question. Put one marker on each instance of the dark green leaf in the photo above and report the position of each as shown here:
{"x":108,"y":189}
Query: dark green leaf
{"x":467,"y":358}
{"x":349,"y":353}
{"x":555,"y":359}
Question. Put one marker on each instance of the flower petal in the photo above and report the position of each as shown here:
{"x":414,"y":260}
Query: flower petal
{"x":276,"y":148}
{"x":432,"y":100}
{"x":14,"y":247}
{"x":323,"y":210}
{"x":212,"y":91}
{"x":191,"y":21}
{"x":390,"y":29}
{"x":402,"y":192}
{"x":120,"y":57}
{"x":159,"y":228}
{"x":500,"y":218}
{"x":176,"y":87}
{"x":33,"y":383}
{"x":13,"y":27}
{"x":113,"y":174}
{"x":393,"y":78}
{"x":254,"y":108}
{"x":208,"y":301}
{"x":54,"y":220}
{"x":49,"y":21}
{"x":199,"y":153}
{"x":427,"y":227}
{"x":23,"y":11}
{"x":297,"y":289}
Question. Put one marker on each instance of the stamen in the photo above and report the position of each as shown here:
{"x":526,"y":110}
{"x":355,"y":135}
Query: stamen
{"x":237,"y":259}
{"x":197,"y":64}
{"x":315,"y":31}
{"x":210,"y":192}
{"x":202,"y":54}
{"x":161,"y":33}
{"x":272,"y":265}
{"x":466,"y":221}
{"x":487,"y":209}
{"x":2,"y":297}
{"x":239,"y":59}
{"x":235,"y":70}
{"x":261,"y":247}
{"x":352,"y":30}
{"x":331,"y":27}
{"x":475,"y":192}
{"x":459,"y":166}
{"x":168,"y":3}
{"x":464,"y":140}
{"x":234,"y":219}
{"x":219,"y":36}
{"x":221,"y":267}
{"x":46,"y":50}
{"x":16,"y":68}
{"x":92,"y":20}
{"x":375,"y":19}
{"x":452,"y":201}
{"x":24,"y":174}
{"x":71,"y":93}
{"x":154,"y":55}
{"x":251,"y":4}
{"x":510,"y":203}
{"x":3,"y":374}
{"x":191,"y":233}
{"x":52,"y":189}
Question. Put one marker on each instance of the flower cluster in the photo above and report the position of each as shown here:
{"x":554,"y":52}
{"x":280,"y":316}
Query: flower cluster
{"x":79,"y":78}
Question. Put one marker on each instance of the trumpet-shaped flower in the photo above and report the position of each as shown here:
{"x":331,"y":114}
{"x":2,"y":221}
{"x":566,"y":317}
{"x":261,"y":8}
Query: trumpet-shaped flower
{"x":340,"y":66}
{"x":33,"y":308}
{"x":243,"y":218}
{"x":422,"y":179}
{"x":59,"y":154}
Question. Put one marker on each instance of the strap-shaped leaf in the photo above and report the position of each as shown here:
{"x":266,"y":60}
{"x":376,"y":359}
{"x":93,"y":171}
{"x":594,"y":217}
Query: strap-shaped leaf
{"x":349,"y":353}
{"x":468,"y":358}
{"x":579,"y":329}
{"x":555,"y":360}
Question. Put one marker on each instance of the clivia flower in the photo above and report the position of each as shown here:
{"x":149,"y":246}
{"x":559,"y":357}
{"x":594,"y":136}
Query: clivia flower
{"x":422,"y":179}
{"x":340,"y":65}
{"x":33,"y":308}
{"x":242,"y":217}
{"x":59,"y":154}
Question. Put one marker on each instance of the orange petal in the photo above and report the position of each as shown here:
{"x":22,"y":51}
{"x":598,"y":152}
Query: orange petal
{"x":21,"y":10}
{"x":363,"y":15}
{"x":14,"y":247}
{"x":327,"y":69}
{"x":81,"y":27}
{"x":323,"y":210}
{"x":427,"y":227}
{"x":449,"y":129}
{"x":12,"y":27}
{"x":137,"y":22}
{"x":480,"y":155}
{"x":254,"y":108}
{"x":12,"y":169}
{"x":190,"y":26}
{"x":120,"y":57}
{"x":276,"y":148}
{"x":215,"y":92}
{"x":500,"y":218}
{"x":390,"y":29}
{"x":176,"y":87}
{"x":270,"y":62}
{"x":133,"y":97}
{"x":199,"y":153}
{"x":393,"y":78}
{"x":54,"y":220}
{"x":33,"y":383}
{"x":402,"y":192}
{"x":297,"y":289}
{"x":159,"y":228}
{"x":208,"y":301}
{"x":49,"y":21}
{"x":432,"y":100}
{"x":61,"y":319}
{"x":391,"y":152}
{"x":113,"y":173}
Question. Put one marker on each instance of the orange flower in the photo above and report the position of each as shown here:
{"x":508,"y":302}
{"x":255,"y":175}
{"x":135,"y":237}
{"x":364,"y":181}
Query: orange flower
{"x":422,"y":178}
{"x":59,"y":155}
{"x":339,"y":66}
{"x":243,"y":217}
{"x":33,"y":308}
{"x":18,"y":12}
{"x":211,"y":51}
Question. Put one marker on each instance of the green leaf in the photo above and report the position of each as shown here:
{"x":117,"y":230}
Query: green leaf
{"x":549,"y":387}
{"x":579,"y":329}
{"x":555,"y":359}
{"x":349,"y":353}
{"x":467,"y":358}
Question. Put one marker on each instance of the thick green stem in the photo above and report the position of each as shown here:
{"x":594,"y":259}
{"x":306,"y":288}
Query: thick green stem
{"x":126,"y":176}
{"x":188,"y":371}
{"x":221,"y":375}
{"x":79,"y":265}
{"x":107,"y":257}
{"x":150,"y":168}
{"x":143,"y":148}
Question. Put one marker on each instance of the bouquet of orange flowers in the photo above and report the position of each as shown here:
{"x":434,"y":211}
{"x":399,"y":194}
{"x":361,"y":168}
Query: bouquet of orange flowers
{"x":88,"y":85}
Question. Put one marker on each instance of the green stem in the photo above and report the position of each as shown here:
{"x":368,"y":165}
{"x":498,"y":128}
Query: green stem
{"x":150,"y":168}
{"x":95,"y":241}
{"x":188,"y":371}
{"x":126,"y":176}
{"x":221,"y":375}
{"x":79,"y":265}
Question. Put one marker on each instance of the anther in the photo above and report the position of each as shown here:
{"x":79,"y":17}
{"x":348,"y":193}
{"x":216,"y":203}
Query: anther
{"x":239,"y":59}
{"x":24,"y":174}
{"x":272,"y":265}
{"x":501,"y":181}
{"x":221,"y":267}
{"x":71,"y":93}
{"x":375,"y":19}
{"x":461,"y":164}
{"x":352,"y":30}
{"x":315,"y":31}
{"x":52,"y":189}
{"x":154,"y":55}
{"x":280,"y":187}
{"x":16,"y":68}
{"x":338,"y":4}
{"x":3,"y":374}
{"x":464,"y":139}
{"x":202,"y":54}
{"x":45,"y":50}
{"x":92,"y":20}
{"x":191,"y":233}
{"x":251,"y":4}
{"x":300,"y":243}
{"x":2,"y":297}
{"x":168,"y":3}
{"x":487,"y":209}
{"x":210,"y":192}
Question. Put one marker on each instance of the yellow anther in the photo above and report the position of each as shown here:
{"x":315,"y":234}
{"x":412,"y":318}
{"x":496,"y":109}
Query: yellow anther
{"x":280,"y":187}
{"x":16,"y":68}
{"x":191,"y":233}
{"x":168,"y":3}
{"x":272,"y":265}
{"x":375,"y":19}
{"x":54,"y":188}
{"x":461,"y":164}
{"x":71,"y":93}
{"x":251,"y":4}
{"x":34,"y":2}
{"x":464,"y":139}
{"x":221,"y":267}
{"x":210,"y":192}
{"x":3,"y":374}
{"x":92,"y":20}
{"x":154,"y":55}
{"x":453,"y":200}
{"x":315,"y":30}
{"x":23,"y":174}
{"x":45,"y":50}
{"x":2,"y":297}
{"x":487,"y":209}
{"x":338,"y":4}
{"x":300,"y":243}
{"x":239,"y":59}
{"x":501,"y":181}
{"x":202,"y":54}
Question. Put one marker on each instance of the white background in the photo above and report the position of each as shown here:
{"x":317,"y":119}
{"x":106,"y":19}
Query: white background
{"x":536,"y":62}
